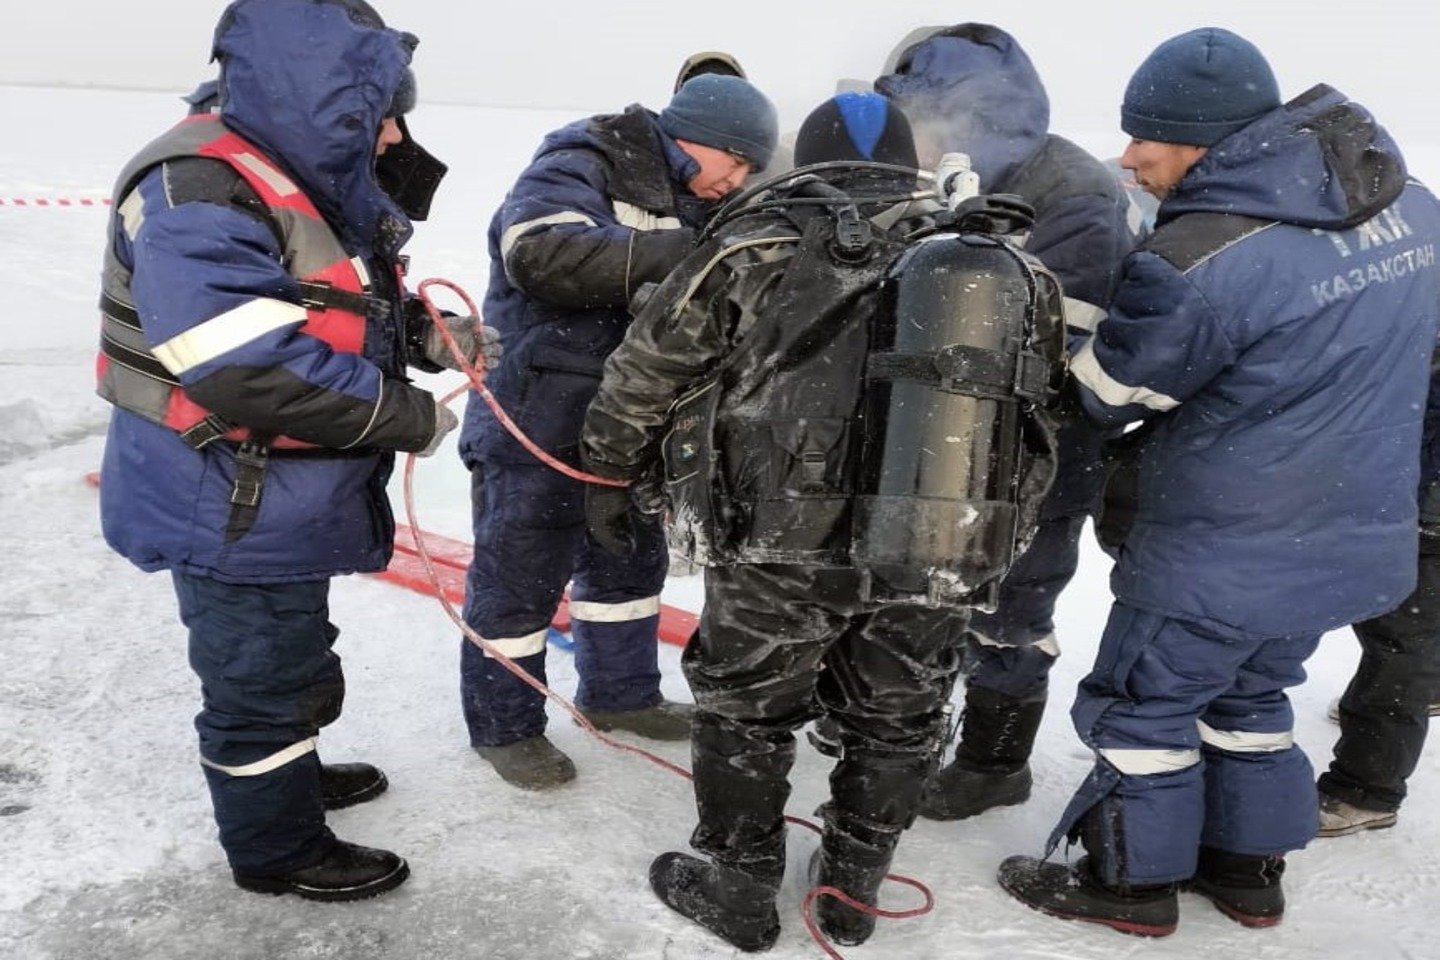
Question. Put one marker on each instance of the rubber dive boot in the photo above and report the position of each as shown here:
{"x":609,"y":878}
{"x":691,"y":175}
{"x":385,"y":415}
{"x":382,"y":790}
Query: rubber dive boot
{"x":734,"y":904}
{"x":858,"y":868}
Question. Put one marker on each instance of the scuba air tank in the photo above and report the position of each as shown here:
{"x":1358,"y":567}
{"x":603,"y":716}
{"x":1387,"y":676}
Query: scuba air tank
{"x":969,"y":349}
{"x":883,"y":410}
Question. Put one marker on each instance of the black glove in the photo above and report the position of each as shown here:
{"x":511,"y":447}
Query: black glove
{"x":607,"y":517}
{"x":654,"y":253}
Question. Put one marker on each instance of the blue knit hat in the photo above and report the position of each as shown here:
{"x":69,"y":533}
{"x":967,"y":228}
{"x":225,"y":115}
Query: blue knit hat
{"x":727,"y":113}
{"x":1198,"y":88}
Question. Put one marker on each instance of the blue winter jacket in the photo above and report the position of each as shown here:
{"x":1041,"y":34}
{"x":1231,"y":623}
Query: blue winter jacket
{"x":602,"y":209}
{"x":1281,"y":321}
{"x":308,"y":84}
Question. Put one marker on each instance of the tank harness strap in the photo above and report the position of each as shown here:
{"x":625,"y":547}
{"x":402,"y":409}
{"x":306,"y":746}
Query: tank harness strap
{"x":967,"y":369}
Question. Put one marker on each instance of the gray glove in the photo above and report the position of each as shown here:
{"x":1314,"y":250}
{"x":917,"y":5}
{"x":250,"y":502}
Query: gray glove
{"x":470,"y":337}
{"x":445,"y":421}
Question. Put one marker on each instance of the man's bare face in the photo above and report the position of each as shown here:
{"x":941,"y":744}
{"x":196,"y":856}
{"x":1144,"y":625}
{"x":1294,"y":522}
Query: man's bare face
{"x":1159,"y":166}
{"x":720,"y":171}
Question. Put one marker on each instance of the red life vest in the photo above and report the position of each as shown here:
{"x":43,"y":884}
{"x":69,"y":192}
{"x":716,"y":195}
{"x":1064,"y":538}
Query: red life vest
{"x":335,"y":286}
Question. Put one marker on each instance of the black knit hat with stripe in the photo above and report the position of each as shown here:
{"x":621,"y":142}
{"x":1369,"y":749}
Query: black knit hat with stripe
{"x":855,"y":126}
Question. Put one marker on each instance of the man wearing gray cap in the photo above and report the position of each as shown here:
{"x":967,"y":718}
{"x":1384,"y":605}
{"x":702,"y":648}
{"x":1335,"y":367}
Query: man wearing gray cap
{"x":608,"y":204}
{"x":1276,"y":330}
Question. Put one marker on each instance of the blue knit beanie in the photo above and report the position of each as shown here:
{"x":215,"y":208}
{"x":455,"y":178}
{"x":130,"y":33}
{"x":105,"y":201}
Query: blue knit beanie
{"x":1198,"y":88}
{"x":727,"y":113}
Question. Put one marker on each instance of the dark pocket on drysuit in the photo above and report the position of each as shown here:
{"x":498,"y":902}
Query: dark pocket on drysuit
{"x":807,"y":458}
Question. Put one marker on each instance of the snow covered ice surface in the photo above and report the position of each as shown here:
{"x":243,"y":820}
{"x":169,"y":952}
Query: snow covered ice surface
{"x":106,"y":842}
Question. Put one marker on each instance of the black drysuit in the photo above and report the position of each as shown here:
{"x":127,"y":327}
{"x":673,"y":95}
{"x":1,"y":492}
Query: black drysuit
{"x":764,"y":326}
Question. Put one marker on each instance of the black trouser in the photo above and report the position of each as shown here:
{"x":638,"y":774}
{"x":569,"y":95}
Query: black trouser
{"x":269,"y":681}
{"x":1384,"y":714}
{"x":774,"y":641}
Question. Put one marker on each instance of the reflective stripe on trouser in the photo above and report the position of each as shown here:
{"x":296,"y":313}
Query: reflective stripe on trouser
{"x":1192,"y":735}
{"x":530,"y":541}
{"x":616,"y":651}
{"x":270,"y":681}
{"x":775,"y":640}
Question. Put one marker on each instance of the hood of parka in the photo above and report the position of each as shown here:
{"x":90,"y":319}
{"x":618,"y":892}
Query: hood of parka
{"x":972,"y":89}
{"x":309,"y":82}
{"x":1319,"y":161}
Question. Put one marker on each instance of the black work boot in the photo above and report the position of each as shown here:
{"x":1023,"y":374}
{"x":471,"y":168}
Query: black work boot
{"x":348,"y":872}
{"x":847,"y":863}
{"x":530,"y":764}
{"x":960,"y":790}
{"x":346,"y":784}
{"x":991,"y":766}
{"x":1072,"y":892}
{"x":732,"y":903}
{"x":1245,"y":888}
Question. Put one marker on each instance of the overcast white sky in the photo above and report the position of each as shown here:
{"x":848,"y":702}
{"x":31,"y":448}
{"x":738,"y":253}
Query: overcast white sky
{"x":593,"y":55}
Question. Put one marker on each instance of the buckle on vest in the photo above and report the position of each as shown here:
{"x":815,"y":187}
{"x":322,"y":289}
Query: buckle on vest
{"x":210,"y":429}
{"x":251,"y":460}
{"x":318,"y":295}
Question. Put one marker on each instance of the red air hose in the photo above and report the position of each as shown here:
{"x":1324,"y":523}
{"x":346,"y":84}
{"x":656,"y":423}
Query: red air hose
{"x":476,"y":374}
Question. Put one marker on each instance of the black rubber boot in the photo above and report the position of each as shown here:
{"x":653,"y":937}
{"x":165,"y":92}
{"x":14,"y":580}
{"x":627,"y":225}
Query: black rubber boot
{"x":346,"y":784}
{"x":1245,"y":888}
{"x":1071,"y":892}
{"x":959,"y":791}
{"x":848,"y":863}
{"x":734,"y":904}
{"x":991,"y":766}
{"x":348,"y":872}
